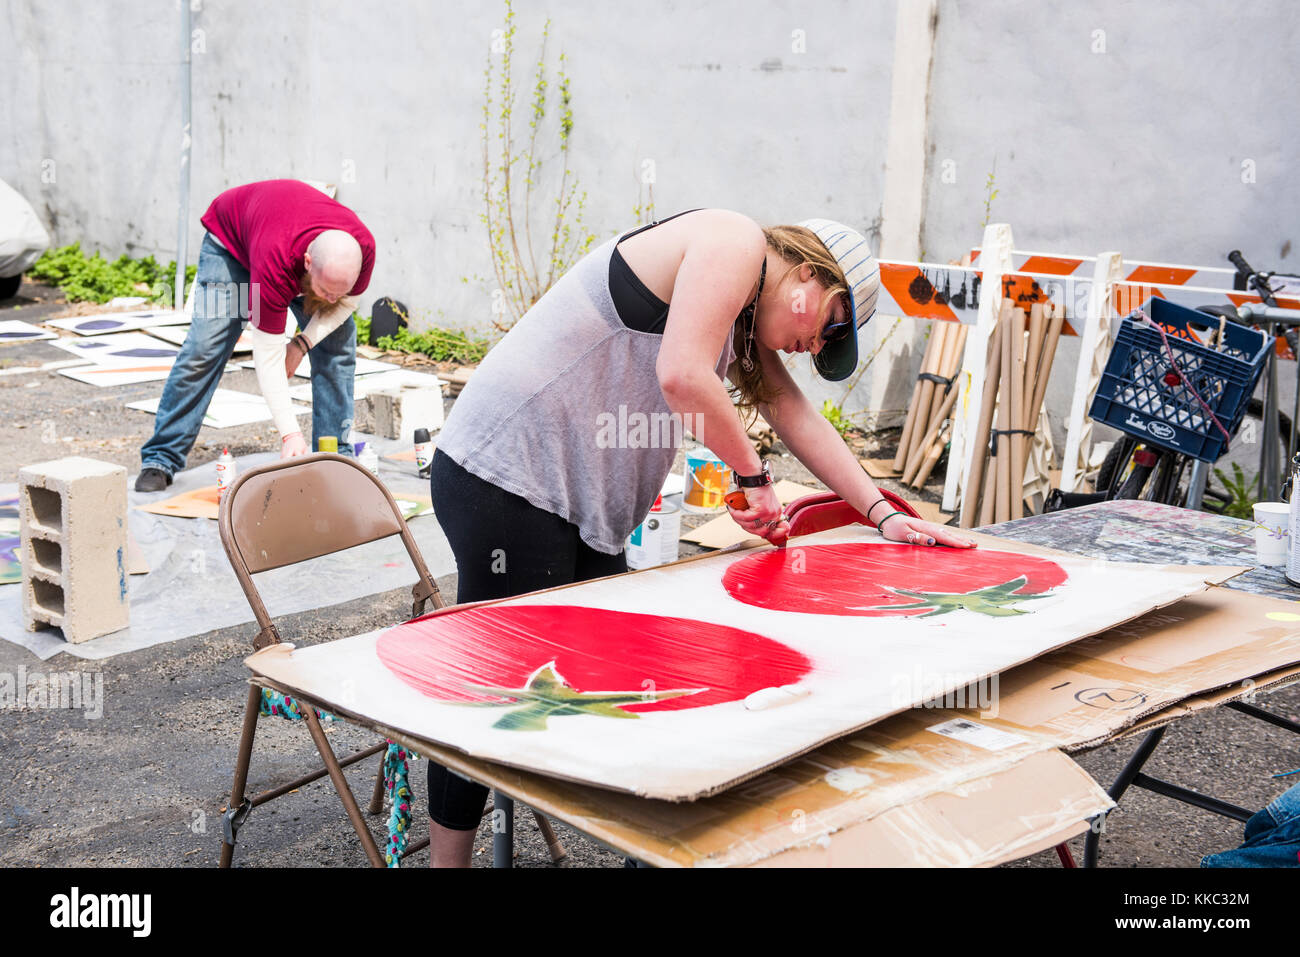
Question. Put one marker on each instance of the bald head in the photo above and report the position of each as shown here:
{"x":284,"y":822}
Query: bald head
{"x":333,"y":262}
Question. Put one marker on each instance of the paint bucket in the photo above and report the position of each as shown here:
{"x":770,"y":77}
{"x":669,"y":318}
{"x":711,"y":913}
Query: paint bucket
{"x":327,"y":443}
{"x":655,"y":541}
{"x":707,"y":480}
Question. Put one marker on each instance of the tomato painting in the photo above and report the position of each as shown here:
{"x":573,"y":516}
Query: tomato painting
{"x":892,"y":581}
{"x":538,"y":662}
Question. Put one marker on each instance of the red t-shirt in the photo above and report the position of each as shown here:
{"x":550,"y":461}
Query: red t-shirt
{"x":267,"y":227}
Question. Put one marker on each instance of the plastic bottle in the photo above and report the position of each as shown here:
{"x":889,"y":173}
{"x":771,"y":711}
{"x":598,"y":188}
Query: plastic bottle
{"x":369,"y":459}
{"x":225,"y":472}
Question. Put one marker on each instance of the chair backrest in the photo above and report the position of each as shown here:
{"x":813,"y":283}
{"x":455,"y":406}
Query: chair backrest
{"x":302,"y":508}
{"x":825,"y":510}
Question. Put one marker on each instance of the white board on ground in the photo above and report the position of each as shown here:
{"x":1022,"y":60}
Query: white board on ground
{"x":855,"y":627}
{"x":15,"y":330}
{"x":227,"y":409}
{"x":105,"y":376}
{"x":177,"y":334}
{"x":378,"y":382}
{"x":364,"y":367}
{"x":120,"y":349}
{"x":108,"y":322}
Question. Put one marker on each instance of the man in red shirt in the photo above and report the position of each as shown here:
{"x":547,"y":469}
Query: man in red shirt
{"x":272,"y":248}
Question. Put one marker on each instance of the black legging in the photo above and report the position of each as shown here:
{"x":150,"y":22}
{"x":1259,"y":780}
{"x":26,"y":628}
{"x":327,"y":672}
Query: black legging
{"x":504,"y":546}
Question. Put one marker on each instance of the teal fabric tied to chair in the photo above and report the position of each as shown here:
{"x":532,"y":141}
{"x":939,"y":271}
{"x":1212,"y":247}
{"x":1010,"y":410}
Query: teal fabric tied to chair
{"x":396,"y":774}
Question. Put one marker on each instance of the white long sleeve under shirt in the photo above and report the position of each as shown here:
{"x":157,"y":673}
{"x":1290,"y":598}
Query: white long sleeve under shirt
{"x":268,"y":361}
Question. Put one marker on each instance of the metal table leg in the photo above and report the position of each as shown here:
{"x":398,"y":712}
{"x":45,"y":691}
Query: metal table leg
{"x":1196,"y":484}
{"x":503,"y":830}
{"x":1116,"y":791}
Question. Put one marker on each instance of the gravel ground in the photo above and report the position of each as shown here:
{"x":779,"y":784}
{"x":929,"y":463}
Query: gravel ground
{"x":146,"y":783}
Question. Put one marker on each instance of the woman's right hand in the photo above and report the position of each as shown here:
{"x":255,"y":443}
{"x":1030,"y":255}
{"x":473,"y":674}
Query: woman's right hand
{"x":763,"y":517}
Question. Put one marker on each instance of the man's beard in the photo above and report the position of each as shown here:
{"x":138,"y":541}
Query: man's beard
{"x":311,"y":303}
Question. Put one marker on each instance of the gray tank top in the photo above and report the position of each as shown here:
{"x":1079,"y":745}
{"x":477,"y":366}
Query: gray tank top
{"x":566,"y":410}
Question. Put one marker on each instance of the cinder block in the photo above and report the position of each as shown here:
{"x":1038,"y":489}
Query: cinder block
{"x":72,"y":520}
{"x":397,"y":413}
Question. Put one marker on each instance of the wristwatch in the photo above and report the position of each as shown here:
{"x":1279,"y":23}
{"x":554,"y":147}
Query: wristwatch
{"x":756,"y":481}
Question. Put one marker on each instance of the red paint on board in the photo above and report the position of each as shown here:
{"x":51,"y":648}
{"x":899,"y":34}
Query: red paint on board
{"x":595,"y":650}
{"x":859,"y":578}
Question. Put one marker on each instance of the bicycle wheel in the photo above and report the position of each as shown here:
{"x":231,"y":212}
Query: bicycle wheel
{"x":1144,"y":463}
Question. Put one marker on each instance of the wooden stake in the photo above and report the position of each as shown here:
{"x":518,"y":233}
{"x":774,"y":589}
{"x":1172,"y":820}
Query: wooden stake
{"x":1019,"y":447}
{"x":952,"y":346}
{"x":922,"y":451}
{"x":900,"y":459}
{"x":988,"y":502}
{"x":936,"y":450}
{"x":1003,"y":441}
{"x":979,"y":461}
{"x":1055,"y":322}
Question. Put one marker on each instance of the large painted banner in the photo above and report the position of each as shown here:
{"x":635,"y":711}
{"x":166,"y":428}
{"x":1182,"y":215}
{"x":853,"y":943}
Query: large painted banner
{"x":677,"y":682}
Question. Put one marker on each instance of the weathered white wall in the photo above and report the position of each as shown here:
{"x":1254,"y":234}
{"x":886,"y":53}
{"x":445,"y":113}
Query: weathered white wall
{"x":1130,"y":139}
{"x":1116,"y":125}
{"x":385,"y":101}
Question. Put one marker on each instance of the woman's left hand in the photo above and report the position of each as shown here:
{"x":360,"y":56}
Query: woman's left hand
{"x":912,"y":531}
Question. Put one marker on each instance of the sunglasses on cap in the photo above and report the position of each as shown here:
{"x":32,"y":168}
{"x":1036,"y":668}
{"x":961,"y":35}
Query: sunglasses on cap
{"x":836,"y":329}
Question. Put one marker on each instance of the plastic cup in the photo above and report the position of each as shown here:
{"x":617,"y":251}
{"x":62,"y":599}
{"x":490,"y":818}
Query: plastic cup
{"x":1272,"y":533}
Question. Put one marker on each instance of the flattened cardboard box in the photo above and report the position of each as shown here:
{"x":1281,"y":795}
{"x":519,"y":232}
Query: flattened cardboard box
{"x":933,"y":792}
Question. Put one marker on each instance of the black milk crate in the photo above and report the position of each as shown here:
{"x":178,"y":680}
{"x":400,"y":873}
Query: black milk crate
{"x":1141,"y":394}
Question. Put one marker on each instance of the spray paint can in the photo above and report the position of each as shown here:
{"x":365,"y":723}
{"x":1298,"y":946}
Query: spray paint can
{"x":225,"y":472}
{"x":423,"y":452}
{"x":1293,"y":555}
{"x":656,"y":540}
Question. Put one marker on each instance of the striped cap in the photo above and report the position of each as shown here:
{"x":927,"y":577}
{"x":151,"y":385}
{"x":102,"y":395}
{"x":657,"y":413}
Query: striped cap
{"x":837,"y":360}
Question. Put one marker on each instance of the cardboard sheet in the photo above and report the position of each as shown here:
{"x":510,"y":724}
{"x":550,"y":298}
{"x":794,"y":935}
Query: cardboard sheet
{"x":900,"y":793}
{"x":513,"y":683}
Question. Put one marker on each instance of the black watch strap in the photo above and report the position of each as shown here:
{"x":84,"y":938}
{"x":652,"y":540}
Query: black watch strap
{"x":756,"y":481}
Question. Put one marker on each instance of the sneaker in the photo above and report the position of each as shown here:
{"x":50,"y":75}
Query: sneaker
{"x":152,"y":480}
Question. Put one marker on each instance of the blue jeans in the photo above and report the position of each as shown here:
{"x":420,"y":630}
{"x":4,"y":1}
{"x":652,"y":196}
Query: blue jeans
{"x":1272,"y":837}
{"x":220,"y":312}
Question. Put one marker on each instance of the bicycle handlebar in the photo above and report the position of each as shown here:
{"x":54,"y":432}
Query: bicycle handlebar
{"x":1237,"y":259}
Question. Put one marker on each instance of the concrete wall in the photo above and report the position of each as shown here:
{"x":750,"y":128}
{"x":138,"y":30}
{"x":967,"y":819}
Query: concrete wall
{"x":1111,"y":125}
{"x":388,"y":106}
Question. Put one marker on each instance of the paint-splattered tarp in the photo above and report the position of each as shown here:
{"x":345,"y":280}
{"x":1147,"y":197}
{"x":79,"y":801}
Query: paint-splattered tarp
{"x":191,"y":588}
{"x":1148,"y":532}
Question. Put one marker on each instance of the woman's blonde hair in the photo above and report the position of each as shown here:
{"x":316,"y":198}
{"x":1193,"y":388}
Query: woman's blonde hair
{"x":798,"y":247}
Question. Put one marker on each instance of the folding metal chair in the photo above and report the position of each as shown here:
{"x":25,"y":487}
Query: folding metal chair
{"x":290,"y":512}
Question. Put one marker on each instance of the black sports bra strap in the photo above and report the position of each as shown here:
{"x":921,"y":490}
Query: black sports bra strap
{"x":641,"y":229}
